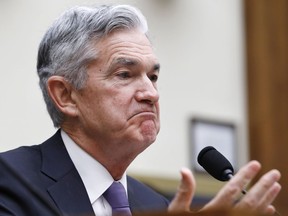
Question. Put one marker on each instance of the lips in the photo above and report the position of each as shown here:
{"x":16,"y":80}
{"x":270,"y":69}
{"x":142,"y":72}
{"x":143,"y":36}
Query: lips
{"x":150,"y":114}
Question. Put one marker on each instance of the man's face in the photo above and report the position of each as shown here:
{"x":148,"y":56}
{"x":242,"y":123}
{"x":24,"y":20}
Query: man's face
{"x":119,"y":104}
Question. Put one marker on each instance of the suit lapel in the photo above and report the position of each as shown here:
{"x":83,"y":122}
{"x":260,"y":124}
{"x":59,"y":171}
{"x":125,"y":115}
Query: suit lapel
{"x":143,"y":199}
{"x":135,"y":203}
{"x":68,"y":192}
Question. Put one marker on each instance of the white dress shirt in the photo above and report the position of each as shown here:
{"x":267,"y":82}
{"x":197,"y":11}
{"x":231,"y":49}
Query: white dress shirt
{"x":93,"y":174}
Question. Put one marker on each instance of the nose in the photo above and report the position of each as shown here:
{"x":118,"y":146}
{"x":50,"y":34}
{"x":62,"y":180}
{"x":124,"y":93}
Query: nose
{"x":147,"y":91}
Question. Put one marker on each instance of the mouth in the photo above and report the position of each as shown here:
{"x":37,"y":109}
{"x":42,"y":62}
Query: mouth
{"x":147,"y":115}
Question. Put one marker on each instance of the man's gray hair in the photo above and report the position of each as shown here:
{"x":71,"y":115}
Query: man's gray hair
{"x":69,"y":44}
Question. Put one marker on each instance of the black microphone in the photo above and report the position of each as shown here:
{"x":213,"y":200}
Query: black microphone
{"x":215,"y":164}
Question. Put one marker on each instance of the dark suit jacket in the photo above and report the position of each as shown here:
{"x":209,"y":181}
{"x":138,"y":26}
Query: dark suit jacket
{"x":42,"y":180}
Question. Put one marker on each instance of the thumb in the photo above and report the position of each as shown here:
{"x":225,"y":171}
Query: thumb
{"x":185,"y":192}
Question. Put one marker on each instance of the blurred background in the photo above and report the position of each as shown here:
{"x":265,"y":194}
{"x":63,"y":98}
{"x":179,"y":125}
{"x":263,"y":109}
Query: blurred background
{"x":223,"y":62}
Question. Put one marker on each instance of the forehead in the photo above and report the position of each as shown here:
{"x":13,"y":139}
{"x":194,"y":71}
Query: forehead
{"x":128,"y":43}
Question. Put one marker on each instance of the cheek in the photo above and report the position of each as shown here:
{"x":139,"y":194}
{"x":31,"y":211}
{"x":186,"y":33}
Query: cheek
{"x":94,"y":106}
{"x":114,"y":107}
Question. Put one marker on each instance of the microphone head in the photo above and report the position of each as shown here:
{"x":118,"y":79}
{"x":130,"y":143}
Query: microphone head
{"x":215,"y":163}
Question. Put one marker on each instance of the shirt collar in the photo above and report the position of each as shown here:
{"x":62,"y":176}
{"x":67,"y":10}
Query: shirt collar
{"x":93,"y":174}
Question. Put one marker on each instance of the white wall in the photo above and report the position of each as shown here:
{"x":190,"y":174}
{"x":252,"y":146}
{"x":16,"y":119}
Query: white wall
{"x":200,"y":47}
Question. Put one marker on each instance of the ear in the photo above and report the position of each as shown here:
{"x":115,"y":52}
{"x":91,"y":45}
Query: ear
{"x":61,"y":93}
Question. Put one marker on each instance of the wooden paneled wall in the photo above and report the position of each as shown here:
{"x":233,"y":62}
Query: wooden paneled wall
{"x":267,"y":87}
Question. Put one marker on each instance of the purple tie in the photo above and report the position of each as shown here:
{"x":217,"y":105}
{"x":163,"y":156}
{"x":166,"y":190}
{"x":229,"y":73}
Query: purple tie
{"x":117,"y":198}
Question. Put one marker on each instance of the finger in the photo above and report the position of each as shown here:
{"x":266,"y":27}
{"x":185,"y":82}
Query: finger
{"x":268,"y":187}
{"x":270,"y":210}
{"x":263,"y":193}
{"x":185,"y":192}
{"x":227,"y":196}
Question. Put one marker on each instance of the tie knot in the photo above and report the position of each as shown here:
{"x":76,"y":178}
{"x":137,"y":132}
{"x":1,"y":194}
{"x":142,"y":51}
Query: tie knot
{"x":117,"y":198}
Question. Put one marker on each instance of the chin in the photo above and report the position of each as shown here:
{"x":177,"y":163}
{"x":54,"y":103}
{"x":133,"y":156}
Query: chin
{"x":149,"y":130}
{"x":147,"y":141}
{"x":144,"y":146}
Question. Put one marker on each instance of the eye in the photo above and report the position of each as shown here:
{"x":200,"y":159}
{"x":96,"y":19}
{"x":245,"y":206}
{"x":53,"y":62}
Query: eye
{"x":153,"y":77}
{"x":124,"y":75}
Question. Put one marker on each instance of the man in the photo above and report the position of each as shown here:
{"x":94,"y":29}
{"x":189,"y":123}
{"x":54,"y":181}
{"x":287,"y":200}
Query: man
{"x":98,"y":74}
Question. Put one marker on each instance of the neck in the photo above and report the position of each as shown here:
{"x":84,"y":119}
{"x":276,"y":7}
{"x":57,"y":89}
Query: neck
{"x":116,"y":161}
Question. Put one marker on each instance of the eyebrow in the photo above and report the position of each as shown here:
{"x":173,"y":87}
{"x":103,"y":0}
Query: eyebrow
{"x":132,"y":62}
{"x":126,"y":61}
{"x":157,"y":67}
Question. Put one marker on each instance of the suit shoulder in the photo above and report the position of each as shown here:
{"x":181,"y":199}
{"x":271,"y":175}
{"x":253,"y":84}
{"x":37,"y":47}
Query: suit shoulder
{"x":27,"y":154}
{"x":21,"y":154}
{"x":25,"y":160}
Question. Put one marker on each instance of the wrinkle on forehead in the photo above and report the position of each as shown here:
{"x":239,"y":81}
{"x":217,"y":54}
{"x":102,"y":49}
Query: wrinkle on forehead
{"x":129,"y":38}
{"x":126,"y":48}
